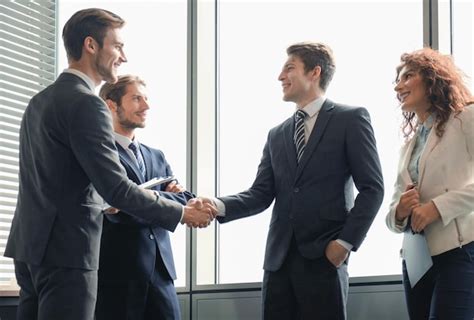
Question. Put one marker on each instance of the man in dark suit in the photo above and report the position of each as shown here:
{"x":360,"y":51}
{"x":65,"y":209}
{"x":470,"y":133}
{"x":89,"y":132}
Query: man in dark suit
{"x":136,"y":268}
{"x":68,"y":165}
{"x":308,"y":166}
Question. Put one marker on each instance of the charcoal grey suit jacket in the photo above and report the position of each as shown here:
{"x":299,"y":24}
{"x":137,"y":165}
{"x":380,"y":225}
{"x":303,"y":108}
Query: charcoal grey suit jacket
{"x":314,"y":200}
{"x":68,"y":165}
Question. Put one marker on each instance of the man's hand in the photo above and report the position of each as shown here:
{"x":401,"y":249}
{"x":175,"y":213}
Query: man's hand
{"x":174,"y":187}
{"x":207,"y":200}
{"x":336,"y":253}
{"x":423,"y":215}
{"x":409,"y":200}
{"x":111,"y":210}
{"x":198,"y":214}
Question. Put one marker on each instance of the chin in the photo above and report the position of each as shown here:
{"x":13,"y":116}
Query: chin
{"x":405,"y":107}
{"x":112,"y":78}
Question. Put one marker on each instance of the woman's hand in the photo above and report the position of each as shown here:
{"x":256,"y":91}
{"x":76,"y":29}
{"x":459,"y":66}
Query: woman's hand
{"x":409,"y":200}
{"x":423,"y":215}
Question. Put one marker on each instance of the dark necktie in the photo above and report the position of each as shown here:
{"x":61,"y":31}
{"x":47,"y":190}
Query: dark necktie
{"x":138,"y":157}
{"x":299,"y":134}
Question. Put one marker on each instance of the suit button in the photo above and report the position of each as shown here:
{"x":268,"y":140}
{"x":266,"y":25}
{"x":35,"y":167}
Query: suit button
{"x":151,"y":237}
{"x":296,"y":190}
{"x":446,"y":190}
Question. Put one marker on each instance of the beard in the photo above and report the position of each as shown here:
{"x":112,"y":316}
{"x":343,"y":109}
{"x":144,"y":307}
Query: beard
{"x":105,"y":72}
{"x":125,"y":122}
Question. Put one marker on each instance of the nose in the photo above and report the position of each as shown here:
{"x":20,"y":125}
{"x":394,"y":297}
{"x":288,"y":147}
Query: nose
{"x":281,"y":76}
{"x":145,"y":104}
{"x":398,"y":86}
{"x":123,"y":58}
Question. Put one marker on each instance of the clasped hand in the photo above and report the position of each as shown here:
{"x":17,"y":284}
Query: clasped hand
{"x":199,"y":213}
{"x":422,"y":214}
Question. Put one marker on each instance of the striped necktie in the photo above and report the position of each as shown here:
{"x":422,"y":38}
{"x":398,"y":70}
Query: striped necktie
{"x":138,"y":156}
{"x":299,"y":134}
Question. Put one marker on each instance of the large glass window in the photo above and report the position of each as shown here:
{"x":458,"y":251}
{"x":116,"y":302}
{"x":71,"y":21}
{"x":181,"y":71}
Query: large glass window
{"x":27,"y":61}
{"x":159,"y":57}
{"x":368,"y":38}
{"x":463,"y":37}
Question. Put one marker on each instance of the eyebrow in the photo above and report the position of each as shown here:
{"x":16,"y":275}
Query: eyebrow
{"x":407,"y":70}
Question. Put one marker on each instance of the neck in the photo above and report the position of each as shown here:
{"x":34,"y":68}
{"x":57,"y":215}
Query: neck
{"x":309,"y":98}
{"x":422,"y":116}
{"x":129,"y":133}
{"x":87,"y":69}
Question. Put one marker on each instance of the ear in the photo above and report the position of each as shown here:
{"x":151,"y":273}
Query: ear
{"x":316,"y":72}
{"x":90,"y":45}
{"x":112,"y":105}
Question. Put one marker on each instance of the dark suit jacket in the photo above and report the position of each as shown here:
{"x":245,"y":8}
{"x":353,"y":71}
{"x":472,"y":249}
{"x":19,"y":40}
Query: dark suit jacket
{"x":68,"y":163}
{"x":130,"y":246}
{"x":314,"y":201}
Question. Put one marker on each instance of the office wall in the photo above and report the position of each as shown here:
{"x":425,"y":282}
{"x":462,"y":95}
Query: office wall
{"x":366,"y":302}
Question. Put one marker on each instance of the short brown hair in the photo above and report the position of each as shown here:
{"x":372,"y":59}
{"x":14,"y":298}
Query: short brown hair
{"x":91,"y":22}
{"x":315,"y":54}
{"x":445,"y":87}
{"x":115,"y":91}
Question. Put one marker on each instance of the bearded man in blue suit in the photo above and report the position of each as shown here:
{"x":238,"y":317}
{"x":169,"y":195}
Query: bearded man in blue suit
{"x":136,"y":268}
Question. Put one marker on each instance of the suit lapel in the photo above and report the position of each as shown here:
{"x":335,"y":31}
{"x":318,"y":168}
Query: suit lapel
{"x":288,"y":131}
{"x":148,"y":162}
{"x":324,"y":116}
{"x":431,"y":143}
{"x":406,"y":159}
{"x":130,"y":164}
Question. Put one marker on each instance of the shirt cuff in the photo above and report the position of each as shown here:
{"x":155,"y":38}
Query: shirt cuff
{"x":345,"y":244}
{"x":182,"y":215}
{"x":220,"y":207}
{"x":401,"y":224}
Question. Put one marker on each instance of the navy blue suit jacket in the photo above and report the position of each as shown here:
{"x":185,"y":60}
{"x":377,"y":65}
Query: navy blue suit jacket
{"x":129,"y":245}
{"x":314,"y":201}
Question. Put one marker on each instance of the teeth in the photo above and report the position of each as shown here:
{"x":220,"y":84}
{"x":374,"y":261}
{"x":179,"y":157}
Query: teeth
{"x":403,"y":96}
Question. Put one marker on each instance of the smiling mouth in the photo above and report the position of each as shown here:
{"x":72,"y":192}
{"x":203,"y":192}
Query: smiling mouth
{"x":403,"y":96}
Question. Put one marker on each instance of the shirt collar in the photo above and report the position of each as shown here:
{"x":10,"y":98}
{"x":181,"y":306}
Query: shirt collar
{"x":124,"y":141}
{"x":428,"y":124}
{"x":83,"y":76}
{"x":313,"y":107}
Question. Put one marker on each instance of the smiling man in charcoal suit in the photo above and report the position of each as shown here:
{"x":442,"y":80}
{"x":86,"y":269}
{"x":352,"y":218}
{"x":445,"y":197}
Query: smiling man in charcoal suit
{"x":68,"y":165}
{"x":309,"y":165}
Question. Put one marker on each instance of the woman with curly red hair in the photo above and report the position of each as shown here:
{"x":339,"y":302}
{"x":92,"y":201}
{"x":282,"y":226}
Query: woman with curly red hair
{"x":434,"y":191}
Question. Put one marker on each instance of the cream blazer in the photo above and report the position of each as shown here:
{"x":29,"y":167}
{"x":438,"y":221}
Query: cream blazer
{"x":447,"y":178}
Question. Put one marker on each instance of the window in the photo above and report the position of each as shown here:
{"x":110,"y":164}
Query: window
{"x":462,"y":37}
{"x":368,"y":38}
{"x":27,"y":65}
{"x":158,"y":57}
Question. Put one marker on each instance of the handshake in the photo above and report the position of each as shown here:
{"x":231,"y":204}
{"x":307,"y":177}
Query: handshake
{"x":199,"y":212}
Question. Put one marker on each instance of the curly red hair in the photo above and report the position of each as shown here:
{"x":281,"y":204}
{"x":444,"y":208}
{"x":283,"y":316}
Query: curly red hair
{"x":447,"y":91}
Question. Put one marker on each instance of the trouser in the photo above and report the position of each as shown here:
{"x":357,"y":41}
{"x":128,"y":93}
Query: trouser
{"x":446,"y":291}
{"x":54,"y":293}
{"x":305,"y":289}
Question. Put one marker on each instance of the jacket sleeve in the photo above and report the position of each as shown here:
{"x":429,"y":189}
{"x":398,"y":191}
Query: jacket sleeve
{"x":366,"y":172}
{"x":460,"y":201}
{"x":258,"y":197}
{"x":91,"y":139}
